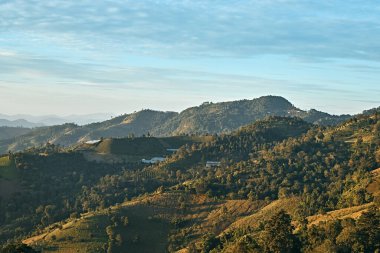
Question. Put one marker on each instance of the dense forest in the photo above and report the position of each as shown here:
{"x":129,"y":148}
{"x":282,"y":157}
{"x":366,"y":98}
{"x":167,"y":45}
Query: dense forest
{"x":279,"y":185}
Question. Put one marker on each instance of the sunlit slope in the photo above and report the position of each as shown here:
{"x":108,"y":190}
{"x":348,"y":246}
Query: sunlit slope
{"x":155,"y":223}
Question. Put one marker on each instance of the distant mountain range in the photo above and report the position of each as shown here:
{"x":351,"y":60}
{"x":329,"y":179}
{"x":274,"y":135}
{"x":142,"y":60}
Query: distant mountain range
{"x":19,"y":123}
{"x":31,"y":121}
{"x":207,"y":118}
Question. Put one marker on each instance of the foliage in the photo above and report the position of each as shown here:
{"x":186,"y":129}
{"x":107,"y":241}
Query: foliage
{"x":274,"y":159}
{"x":208,"y":118}
{"x":277,"y":236}
{"x":17,"y":248}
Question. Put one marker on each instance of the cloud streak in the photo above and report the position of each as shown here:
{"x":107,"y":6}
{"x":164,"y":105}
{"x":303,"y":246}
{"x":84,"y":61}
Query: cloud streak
{"x":186,"y":52}
{"x":323,"y":29}
{"x":25,"y":71}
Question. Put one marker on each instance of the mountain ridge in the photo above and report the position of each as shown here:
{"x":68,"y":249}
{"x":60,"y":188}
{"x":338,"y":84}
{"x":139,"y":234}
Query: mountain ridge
{"x":207,"y":118}
{"x":51,"y":120}
{"x":19,"y":123}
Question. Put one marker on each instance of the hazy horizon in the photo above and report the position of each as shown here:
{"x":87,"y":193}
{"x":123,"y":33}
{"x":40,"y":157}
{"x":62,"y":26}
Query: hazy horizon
{"x":106,"y":115}
{"x":115,"y":57}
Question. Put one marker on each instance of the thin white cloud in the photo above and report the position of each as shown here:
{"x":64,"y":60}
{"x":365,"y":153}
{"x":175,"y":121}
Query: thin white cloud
{"x":324,"y":29}
{"x":7,"y":53}
{"x":64,"y":44}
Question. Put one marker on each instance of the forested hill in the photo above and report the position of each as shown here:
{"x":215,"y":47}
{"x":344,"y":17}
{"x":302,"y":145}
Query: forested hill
{"x":324,"y":178}
{"x":207,"y":118}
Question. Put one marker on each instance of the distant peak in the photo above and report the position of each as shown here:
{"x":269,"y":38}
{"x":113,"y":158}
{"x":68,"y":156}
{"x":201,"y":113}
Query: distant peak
{"x":274,"y":98}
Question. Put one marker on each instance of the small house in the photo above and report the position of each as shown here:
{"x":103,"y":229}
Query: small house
{"x":210,"y":164}
{"x":153,"y":160}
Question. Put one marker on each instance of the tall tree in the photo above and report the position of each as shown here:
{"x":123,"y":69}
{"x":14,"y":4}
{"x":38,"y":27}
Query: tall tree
{"x":278,"y":236}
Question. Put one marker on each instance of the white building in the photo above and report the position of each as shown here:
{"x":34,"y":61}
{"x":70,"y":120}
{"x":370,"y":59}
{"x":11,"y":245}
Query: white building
{"x":92,"y":142}
{"x":172,"y":149}
{"x":153,"y":160}
{"x":210,"y":164}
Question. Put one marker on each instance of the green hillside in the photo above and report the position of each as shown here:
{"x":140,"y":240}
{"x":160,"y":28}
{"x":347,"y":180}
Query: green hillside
{"x":159,"y":219}
{"x":319,"y":176}
{"x":12,"y":132}
{"x":7,"y":168}
{"x":208,"y":118}
{"x":145,"y":145}
{"x":134,"y":149}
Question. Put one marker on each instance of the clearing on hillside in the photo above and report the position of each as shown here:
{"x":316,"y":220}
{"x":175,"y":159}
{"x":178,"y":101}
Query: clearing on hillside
{"x":135,"y":149}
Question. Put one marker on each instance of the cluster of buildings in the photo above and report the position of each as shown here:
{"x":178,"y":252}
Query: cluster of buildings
{"x":210,"y":164}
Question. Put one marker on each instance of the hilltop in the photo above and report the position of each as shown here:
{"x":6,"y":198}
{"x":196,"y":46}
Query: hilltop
{"x":208,"y":118}
{"x":18,"y":123}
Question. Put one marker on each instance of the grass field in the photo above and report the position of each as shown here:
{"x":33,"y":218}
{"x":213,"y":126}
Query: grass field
{"x":88,"y":234}
{"x":81,"y":235}
{"x":350,"y":212}
{"x":288,"y":204}
{"x":150,"y":224}
{"x":143,"y":145}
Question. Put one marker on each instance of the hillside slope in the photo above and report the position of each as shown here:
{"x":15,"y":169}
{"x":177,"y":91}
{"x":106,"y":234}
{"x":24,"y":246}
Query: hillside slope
{"x":208,"y":118}
{"x":318,"y":175}
{"x":12,"y":132}
{"x":159,"y":219}
{"x":174,"y":221}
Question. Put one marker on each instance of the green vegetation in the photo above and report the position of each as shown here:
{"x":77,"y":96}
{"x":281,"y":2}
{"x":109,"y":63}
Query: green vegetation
{"x":208,"y":118}
{"x":12,"y":132}
{"x":7,"y":168}
{"x":323,"y":178}
{"x":276,"y":236}
{"x":143,"y":146}
{"x":17,"y":248}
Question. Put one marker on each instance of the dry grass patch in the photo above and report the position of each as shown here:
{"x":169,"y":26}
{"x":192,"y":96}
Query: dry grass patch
{"x":290,"y":205}
{"x":350,"y":212}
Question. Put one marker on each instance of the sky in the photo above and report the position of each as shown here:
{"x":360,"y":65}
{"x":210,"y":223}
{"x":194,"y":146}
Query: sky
{"x":118,"y":56}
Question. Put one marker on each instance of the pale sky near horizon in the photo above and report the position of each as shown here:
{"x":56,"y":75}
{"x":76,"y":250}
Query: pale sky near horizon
{"x":117,"y":56}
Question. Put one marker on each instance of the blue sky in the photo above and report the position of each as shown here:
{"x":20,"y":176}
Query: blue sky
{"x":64,"y":57}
